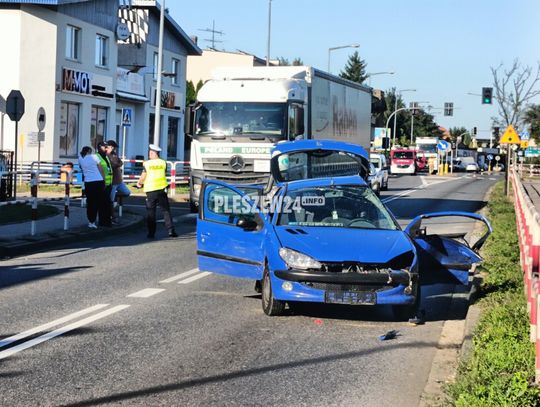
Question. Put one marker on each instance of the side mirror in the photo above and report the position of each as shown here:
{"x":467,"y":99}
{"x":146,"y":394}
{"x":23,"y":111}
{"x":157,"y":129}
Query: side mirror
{"x":299,"y":121}
{"x":189,"y":121}
{"x":247,"y":224}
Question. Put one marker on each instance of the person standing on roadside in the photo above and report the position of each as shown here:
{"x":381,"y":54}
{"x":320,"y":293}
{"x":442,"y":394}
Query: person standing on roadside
{"x":154,"y":179}
{"x":118,"y":185}
{"x":94,"y":186}
{"x":105,"y":213}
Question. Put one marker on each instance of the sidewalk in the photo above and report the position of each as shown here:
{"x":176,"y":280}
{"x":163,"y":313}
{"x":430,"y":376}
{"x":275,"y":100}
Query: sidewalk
{"x":16,"y":238}
{"x":532,"y":187}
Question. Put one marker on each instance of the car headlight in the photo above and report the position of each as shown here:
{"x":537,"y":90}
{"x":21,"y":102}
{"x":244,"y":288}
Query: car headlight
{"x":298,"y":260}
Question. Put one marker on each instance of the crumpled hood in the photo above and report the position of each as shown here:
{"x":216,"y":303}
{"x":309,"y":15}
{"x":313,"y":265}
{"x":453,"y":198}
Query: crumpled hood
{"x":330,"y":244}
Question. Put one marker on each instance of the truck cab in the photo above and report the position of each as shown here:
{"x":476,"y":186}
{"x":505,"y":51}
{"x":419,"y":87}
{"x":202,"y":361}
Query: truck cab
{"x":403,"y":161}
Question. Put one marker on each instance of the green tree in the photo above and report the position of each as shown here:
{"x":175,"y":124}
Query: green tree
{"x":462,"y":132}
{"x":355,"y":69}
{"x":297,"y":62}
{"x":191,"y":91}
{"x":285,"y":62}
{"x":532,"y":121}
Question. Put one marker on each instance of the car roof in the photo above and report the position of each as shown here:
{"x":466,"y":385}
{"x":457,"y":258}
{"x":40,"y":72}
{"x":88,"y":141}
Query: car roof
{"x":327,"y":181}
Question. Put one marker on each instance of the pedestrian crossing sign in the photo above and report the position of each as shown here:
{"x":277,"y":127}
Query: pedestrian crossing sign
{"x":126,"y":117}
{"x":510,"y":136}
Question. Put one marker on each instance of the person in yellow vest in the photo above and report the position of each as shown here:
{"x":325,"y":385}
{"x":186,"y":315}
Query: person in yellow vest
{"x":154,"y":179}
{"x":105,"y":211}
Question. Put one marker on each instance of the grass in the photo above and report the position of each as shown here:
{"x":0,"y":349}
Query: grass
{"x":22,"y":213}
{"x":500,"y":370}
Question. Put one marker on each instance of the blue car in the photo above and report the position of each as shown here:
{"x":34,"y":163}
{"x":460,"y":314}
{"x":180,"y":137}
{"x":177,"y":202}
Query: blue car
{"x":318,"y":233}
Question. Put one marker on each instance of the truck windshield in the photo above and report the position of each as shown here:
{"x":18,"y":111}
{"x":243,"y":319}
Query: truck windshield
{"x":346,"y":206}
{"x":427,"y":148}
{"x":237,"y":118}
{"x":409,"y":155}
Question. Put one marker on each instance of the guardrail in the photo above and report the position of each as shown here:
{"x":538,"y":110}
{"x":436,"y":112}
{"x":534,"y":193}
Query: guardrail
{"x":529,"y":170}
{"x":528,"y":230}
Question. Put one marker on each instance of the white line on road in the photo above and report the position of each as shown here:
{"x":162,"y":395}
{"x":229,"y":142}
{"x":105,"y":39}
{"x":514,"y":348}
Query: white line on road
{"x":191,"y":279}
{"x":48,"y":325}
{"x":180,"y":276}
{"x":147,"y":292}
{"x":398,"y":195}
{"x":9,"y":352}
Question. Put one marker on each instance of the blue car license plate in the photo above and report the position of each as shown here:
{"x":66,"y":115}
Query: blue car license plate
{"x":350,"y":297}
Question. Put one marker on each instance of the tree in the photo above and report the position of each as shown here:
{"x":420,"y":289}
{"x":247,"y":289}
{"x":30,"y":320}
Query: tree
{"x":513,"y":89}
{"x":285,"y":62}
{"x":355,"y":69}
{"x":461,"y":132}
{"x":191,"y":91}
{"x":532,"y":119}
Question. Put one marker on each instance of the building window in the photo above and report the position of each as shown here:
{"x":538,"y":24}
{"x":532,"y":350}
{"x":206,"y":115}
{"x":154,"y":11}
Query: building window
{"x":69,"y":129}
{"x":155,"y":65}
{"x":98,"y":125}
{"x":172,"y":137}
{"x":176,"y":71}
{"x":101,"y":50}
{"x":73,"y":42}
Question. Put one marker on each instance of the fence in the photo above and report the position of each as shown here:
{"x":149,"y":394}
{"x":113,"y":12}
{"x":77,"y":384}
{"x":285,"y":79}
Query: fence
{"x":528,"y":230}
{"x":529,"y":170}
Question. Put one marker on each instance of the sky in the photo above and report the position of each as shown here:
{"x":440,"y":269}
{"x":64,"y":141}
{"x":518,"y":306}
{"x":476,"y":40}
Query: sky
{"x":442,"y":48}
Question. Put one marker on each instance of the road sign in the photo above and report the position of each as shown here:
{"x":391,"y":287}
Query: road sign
{"x":524,"y":135}
{"x":510,"y":136}
{"x":498,"y":158}
{"x":2,"y":105}
{"x":489,"y":157}
{"x":524,"y":144}
{"x":443,"y":145}
{"x":532,"y":152}
{"x":126,"y":117}
{"x":15,"y":105}
{"x":41,"y":119}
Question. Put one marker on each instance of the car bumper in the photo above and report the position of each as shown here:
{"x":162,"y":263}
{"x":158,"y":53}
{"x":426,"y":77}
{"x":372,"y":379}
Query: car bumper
{"x":349,"y":288}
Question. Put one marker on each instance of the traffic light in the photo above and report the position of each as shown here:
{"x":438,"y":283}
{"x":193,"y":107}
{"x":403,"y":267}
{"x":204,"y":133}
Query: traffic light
{"x":448,"y":109}
{"x":487,"y":95}
{"x":474,"y":131}
{"x":414,"y":107}
{"x":496,"y":132}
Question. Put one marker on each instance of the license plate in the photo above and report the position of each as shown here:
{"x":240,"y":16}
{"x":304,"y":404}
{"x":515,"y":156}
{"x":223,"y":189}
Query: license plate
{"x":350,"y":297}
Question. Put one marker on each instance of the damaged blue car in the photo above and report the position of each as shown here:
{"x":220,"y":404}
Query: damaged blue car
{"x":318,"y":233}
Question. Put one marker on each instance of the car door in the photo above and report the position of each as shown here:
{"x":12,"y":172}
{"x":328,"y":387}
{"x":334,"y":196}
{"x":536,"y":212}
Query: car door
{"x":230,"y":232}
{"x":446,"y":257}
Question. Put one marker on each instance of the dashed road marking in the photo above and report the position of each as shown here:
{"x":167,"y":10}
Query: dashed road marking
{"x":179,"y":276}
{"x":60,"y":331}
{"x":48,"y":325}
{"x":147,"y":292}
{"x":196,"y":277}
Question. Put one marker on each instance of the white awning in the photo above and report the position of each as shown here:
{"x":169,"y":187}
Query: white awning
{"x":132,"y":96}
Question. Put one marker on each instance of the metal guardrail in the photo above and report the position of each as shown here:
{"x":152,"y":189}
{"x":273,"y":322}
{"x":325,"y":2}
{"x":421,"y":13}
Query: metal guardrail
{"x":529,"y":170}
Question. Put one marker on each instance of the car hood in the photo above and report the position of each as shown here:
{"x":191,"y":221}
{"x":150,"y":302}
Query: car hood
{"x":329,"y":244}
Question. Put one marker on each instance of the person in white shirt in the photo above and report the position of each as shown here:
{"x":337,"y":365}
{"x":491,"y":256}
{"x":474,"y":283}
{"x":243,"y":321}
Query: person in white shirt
{"x":94,"y":184}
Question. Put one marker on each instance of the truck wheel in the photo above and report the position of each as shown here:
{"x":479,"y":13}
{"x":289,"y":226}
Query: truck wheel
{"x":270,"y":305}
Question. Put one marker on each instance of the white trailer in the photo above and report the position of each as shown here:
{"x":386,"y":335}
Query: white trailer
{"x":428,"y":146}
{"x":242,"y":112}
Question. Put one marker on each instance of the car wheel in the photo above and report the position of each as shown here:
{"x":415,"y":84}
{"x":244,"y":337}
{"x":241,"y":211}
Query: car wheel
{"x":384,"y":186}
{"x":193,"y":208}
{"x":270,"y":305}
{"x":405,"y":312}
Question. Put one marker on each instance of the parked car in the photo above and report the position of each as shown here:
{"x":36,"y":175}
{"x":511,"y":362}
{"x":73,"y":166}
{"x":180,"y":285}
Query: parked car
{"x":380,"y":163}
{"x":318,"y":233}
{"x":375,"y":179}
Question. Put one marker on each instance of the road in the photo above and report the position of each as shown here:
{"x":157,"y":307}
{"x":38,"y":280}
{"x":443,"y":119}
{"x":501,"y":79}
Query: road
{"x":127,"y":321}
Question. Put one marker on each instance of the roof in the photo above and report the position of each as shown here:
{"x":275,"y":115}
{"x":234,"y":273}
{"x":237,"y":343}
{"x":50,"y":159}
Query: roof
{"x":188,"y":43}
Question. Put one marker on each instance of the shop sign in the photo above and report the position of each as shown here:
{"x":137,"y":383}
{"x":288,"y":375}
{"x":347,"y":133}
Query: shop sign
{"x":76,"y":81}
{"x":169,"y":100}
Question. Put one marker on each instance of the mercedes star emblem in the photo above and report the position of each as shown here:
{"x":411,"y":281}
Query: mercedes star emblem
{"x":237,"y":163}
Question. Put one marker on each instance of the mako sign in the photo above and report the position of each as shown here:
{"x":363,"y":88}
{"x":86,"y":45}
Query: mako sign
{"x":76,"y":81}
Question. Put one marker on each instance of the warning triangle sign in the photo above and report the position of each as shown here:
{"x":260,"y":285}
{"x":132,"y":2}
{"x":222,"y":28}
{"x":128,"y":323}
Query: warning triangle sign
{"x":510,"y":136}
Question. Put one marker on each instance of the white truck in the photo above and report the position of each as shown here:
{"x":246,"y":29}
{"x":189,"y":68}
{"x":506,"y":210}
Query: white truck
{"x":241,"y":113}
{"x":428,"y":146}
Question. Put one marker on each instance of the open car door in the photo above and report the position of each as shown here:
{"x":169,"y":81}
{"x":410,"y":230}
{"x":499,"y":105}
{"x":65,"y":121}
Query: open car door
{"x":230,"y":232}
{"x":446,"y":257}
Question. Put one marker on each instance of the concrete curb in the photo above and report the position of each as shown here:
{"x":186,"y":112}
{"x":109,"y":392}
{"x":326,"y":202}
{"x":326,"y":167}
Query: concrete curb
{"x":50,"y":240}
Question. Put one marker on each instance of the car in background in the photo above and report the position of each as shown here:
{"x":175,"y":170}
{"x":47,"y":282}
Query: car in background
{"x":469,"y":164}
{"x":403,"y":161}
{"x":325,"y":237}
{"x":380,"y":163}
{"x":375,"y":179}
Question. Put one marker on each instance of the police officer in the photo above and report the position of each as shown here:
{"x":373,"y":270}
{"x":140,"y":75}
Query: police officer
{"x":155,"y":184}
{"x":105,"y":209}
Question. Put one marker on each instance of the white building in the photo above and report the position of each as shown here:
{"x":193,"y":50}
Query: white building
{"x":70,"y":58}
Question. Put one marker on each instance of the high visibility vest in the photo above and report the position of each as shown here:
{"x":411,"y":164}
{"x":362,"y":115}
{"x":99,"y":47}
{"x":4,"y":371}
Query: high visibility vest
{"x":156,"y":178}
{"x":107,"y":169}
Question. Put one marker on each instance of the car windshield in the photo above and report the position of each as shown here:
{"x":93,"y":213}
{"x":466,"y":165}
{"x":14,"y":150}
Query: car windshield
{"x":404,"y":154}
{"x":428,"y":148}
{"x":345,"y":206}
{"x":237,"y":118}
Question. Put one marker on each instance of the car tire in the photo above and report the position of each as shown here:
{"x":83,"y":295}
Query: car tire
{"x":270,"y":305}
{"x":406,"y":312}
{"x":193,"y":208}
{"x":384,"y":187}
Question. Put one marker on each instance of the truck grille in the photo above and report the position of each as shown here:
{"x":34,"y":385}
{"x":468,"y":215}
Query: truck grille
{"x":219,"y":169}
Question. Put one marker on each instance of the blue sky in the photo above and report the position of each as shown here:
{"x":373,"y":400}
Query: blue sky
{"x":442,"y":48}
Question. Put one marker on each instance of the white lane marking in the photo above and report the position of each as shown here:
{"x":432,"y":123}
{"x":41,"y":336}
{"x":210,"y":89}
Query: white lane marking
{"x":147,"y":292}
{"x":179,"y":276}
{"x":9,"y":352}
{"x":398,"y":195}
{"x":191,"y":279}
{"x":48,"y":325}
{"x":424,"y":182}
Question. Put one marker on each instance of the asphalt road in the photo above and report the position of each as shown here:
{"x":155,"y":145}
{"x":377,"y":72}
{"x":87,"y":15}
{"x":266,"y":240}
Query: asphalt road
{"x":118,"y":322}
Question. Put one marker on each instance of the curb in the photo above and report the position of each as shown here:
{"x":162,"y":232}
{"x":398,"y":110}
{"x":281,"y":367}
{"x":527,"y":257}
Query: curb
{"x":61,"y":238}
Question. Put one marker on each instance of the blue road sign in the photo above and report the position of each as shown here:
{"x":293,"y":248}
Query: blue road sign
{"x":524,"y":135}
{"x":489,"y":157}
{"x":126,"y":117}
{"x":443,"y":145}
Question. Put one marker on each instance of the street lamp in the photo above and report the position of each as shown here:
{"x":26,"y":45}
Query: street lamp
{"x":369,"y":75}
{"x":269,"y":25}
{"x":340,"y":47}
{"x":395,"y":110}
